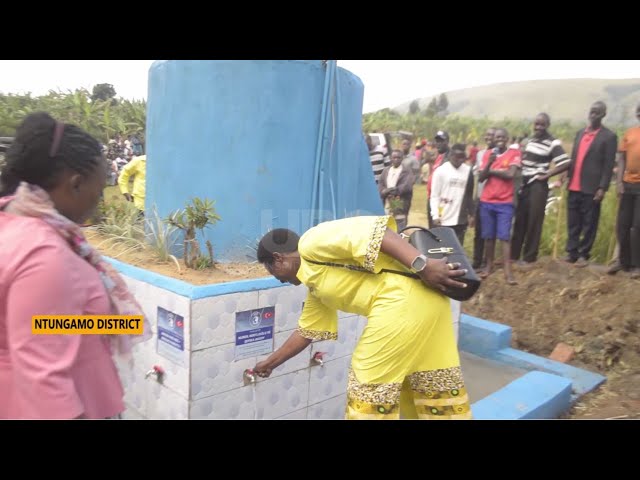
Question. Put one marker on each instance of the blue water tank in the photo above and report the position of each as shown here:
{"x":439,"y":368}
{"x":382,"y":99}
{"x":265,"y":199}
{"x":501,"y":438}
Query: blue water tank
{"x":276,"y":143}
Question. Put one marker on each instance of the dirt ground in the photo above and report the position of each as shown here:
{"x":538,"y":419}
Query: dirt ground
{"x":597,"y":314}
{"x":227,"y":272}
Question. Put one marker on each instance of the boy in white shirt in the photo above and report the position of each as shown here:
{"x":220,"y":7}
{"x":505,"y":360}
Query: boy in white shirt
{"x":452,"y":193}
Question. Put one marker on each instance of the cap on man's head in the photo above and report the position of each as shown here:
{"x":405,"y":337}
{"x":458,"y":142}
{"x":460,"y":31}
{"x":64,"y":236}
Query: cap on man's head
{"x":442,"y":135}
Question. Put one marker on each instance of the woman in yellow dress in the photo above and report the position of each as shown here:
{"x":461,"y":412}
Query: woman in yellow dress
{"x":406,"y":363}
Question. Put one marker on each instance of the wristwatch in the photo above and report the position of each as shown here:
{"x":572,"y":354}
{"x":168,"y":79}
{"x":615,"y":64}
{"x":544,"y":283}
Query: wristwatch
{"x":419,"y":264}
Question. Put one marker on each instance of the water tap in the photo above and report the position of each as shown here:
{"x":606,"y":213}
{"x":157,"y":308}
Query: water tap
{"x":318,"y":359}
{"x":158,"y":371}
{"x":249,"y":377}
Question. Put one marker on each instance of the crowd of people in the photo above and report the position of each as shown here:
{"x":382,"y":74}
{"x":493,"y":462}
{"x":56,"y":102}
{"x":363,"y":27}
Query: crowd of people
{"x":126,"y":161}
{"x":503,"y":188}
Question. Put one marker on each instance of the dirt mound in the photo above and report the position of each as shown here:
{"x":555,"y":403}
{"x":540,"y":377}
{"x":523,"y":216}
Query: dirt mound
{"x":597,"y":314}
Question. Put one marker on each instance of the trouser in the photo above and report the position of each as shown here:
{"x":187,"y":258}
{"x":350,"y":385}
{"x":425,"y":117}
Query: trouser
{"x":406,"y":363}
{"x":583,"y":216}
{"x":429,"y":218}
{"x":629,"y":229}
{"x":401,"y":222}
{"x":527,"y":228}
{"x":478,"y":241}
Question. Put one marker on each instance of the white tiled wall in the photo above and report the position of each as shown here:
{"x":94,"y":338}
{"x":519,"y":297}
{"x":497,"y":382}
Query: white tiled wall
{"x":456,"y":311}
{"x":145,"y":397}
{"x":238,"y":404}
{"x":135,"y":395}
{"x":328,"y":381}
{"x":297,"y":415}
{"x":131,"y":414}
{"x":362,"y":322}
{"x":214,"y":371}
{"x":279,"y":396}
{"x":214,"y":318}
{"x":288,"y":303}
{"x":210,"y":384}
{"x":151,"y":297}
{"x":331,"y":409}
{"x":299,"y":362}
{"x":163,"y":403}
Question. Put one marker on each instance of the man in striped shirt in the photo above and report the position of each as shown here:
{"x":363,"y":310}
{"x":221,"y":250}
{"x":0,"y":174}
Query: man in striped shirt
{"x":540,"y":152}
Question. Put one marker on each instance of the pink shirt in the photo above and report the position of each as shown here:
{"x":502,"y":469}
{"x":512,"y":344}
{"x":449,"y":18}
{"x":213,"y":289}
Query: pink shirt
{"x":583,"y":148}
{"x":50,"y":376}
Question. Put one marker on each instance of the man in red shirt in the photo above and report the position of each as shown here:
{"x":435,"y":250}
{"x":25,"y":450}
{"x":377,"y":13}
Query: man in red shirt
{"x":590,"y":170}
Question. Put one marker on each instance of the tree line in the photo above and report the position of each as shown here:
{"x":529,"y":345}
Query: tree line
{"x":104,"y":115}
{"x":425,"y":123}
{"x":99,"y":112}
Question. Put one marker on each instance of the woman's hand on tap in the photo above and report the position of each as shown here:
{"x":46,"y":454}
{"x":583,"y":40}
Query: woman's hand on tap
{"x":262,"y":369}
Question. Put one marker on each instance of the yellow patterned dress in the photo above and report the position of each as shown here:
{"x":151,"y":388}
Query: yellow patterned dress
{"x":406,"y":363}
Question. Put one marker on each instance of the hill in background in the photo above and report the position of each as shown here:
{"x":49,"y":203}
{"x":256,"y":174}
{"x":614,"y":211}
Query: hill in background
{"x":562,"y":99}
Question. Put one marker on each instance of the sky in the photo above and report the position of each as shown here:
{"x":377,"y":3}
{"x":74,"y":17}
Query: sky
{"x":388,"y":83}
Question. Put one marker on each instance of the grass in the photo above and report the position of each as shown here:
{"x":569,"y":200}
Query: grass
{"x":122,"y":226}
{"x":112,"y":195}
{"x":551,"y":244}
{"x":125,"y":228}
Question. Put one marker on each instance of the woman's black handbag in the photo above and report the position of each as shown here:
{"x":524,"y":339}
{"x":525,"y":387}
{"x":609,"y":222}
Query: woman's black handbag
{"x":440,"y":242}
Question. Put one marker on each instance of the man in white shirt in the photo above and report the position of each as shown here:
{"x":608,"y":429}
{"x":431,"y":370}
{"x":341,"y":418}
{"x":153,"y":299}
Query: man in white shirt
{"x":451,"y":199}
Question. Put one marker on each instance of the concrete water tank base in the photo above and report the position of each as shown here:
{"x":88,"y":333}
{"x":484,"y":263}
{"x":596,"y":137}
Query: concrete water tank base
{"x":203,"y":380}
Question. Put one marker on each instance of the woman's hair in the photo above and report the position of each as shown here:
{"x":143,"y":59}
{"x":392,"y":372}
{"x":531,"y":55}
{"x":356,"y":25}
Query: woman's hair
{"x":279,"y":240}
{"x":42,"y":149}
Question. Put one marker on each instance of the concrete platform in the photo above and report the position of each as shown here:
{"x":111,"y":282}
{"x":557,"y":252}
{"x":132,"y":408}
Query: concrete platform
{"x":509,"y":384}
{"x":483,"y":377}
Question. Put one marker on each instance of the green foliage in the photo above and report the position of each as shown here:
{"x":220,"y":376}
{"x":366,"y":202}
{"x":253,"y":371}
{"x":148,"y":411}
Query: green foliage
{"x":120,"y":224}
{"x":554,"y":233}
{"x":100,"y":117}
{"x":161,"y":237}
{"x":197,"y":215}
{"x":443,"y":104}
{"x":432,"y":109}
{"x":461,"y":129}
{"x":104,"y":92}
{"x":414,"y":107}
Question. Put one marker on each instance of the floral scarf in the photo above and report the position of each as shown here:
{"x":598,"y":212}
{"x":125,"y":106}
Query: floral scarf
{"x":33,"y":201}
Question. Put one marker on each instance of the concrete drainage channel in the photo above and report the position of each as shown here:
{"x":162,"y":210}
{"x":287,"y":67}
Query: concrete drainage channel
{"x":528,"y":386}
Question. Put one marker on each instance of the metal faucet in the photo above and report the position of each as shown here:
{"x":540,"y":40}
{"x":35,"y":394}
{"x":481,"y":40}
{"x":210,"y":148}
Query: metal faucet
{"x":158,"y":371}
{"x":318,"y":359}
{"x":249,"y":377}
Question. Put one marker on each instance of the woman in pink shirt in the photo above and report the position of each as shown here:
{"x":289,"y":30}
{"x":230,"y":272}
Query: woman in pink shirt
{"x":52,"y":181}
